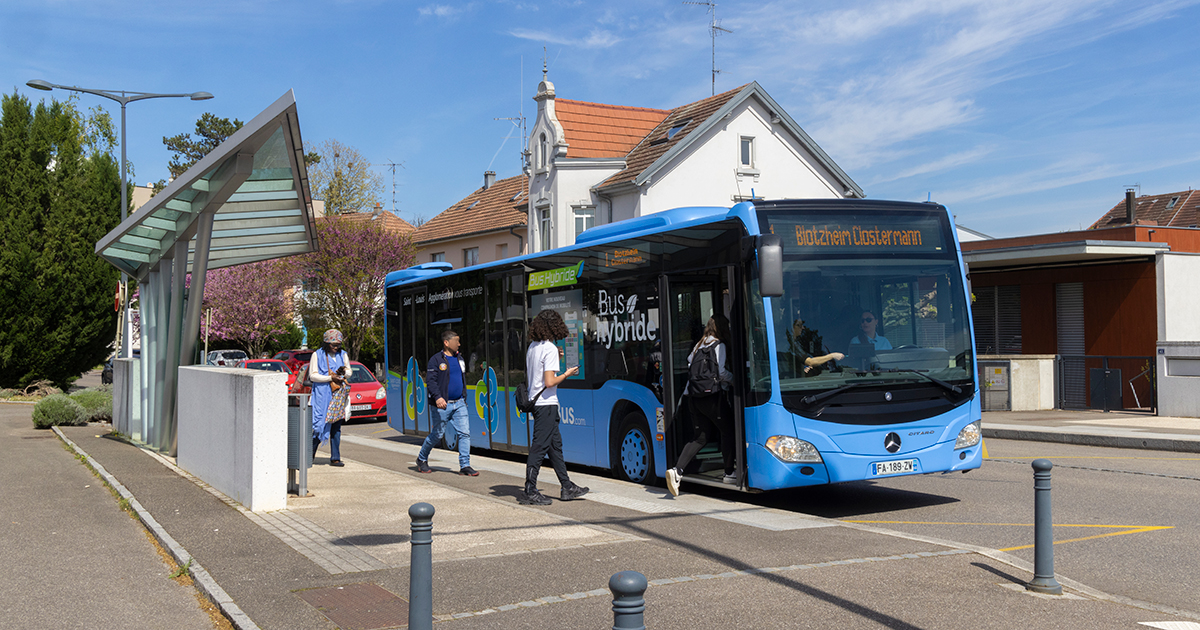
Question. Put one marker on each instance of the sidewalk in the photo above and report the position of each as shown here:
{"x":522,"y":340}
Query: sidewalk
{"x":339,"y":559}
{"x":1096,"y":428}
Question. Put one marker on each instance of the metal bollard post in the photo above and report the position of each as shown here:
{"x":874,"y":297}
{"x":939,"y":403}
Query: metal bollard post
{"x":628,"y":604}
{"x":1043,"y":538}
{"x":420,"y":574}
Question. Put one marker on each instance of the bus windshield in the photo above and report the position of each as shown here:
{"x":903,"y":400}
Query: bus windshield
{"x":883,"y":290}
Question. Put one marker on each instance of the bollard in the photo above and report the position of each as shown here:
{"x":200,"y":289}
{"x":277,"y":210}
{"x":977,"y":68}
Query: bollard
{"x":420,"y":571}
{"x":628,"y":604}
{"x":1043,"y":538}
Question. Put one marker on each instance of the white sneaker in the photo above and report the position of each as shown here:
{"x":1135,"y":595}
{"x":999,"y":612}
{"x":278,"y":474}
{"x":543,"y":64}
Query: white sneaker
{"x":673,"y":481}
{"x":730,"y":479}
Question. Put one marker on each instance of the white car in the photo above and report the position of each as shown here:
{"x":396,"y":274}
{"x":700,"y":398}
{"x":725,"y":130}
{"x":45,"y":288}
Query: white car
{"x":226,"y":358}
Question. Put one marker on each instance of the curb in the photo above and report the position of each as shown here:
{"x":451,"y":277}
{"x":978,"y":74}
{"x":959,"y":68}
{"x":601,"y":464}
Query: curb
{"x":204,"y":581}
{"x":1091,"y":439}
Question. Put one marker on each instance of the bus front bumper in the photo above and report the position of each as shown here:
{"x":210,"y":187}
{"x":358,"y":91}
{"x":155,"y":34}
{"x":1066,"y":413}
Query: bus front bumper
{"x":771,"y":473}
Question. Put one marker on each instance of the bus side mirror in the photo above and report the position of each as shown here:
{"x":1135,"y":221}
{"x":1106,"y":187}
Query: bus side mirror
{"x":770,"y":265}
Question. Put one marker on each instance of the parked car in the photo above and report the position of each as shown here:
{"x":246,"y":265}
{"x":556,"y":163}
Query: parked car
{"x":269,"y":365}
{"x":226,"y":358}
{"x":106,"y":375}
{"x":368,"y":398}
{"x":294,"y":358}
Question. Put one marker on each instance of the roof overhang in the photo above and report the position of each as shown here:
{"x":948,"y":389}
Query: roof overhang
{"x":1061,"y":254}
{"x":254,"y":183}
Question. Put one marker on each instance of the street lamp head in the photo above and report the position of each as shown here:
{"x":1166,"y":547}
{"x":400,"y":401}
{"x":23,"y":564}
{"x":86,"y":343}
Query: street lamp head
{"x":201,"y":96}
{"x":39,"y":84}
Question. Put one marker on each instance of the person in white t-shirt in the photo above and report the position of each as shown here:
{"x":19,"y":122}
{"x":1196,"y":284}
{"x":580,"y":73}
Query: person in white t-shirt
{"x":541,"y":369}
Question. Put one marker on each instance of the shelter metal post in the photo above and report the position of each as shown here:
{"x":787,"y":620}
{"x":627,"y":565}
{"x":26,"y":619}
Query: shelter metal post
{"x":191,"y":326}
{"x":174,"y":337}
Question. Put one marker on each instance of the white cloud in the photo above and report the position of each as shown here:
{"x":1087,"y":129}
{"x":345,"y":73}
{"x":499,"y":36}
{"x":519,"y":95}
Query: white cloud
{"x":954,"y":160}
{"x":597,"y":38}
{"x":438,"y":10}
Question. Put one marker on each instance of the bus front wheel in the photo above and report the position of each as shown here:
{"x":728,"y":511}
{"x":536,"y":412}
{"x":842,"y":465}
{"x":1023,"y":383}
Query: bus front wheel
{"x":634,"y":451}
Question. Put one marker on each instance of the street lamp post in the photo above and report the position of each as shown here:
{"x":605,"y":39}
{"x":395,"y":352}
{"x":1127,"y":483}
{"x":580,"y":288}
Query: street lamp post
{"x":123,"y":97}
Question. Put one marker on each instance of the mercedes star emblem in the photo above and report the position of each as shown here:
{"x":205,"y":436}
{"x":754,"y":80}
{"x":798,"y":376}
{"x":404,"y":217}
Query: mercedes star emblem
{"x":887,"y":396}
{"x":891,"y":442}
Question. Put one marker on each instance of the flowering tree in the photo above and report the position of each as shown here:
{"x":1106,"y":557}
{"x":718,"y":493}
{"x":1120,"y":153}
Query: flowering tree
{"x":344,"y":277}
{"x":251,"y":303}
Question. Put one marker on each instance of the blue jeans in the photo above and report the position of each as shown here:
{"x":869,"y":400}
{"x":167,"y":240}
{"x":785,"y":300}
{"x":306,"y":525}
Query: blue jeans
{"x":455,"y":414}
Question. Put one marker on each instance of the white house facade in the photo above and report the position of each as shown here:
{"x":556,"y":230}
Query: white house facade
{"x":591,"y":163}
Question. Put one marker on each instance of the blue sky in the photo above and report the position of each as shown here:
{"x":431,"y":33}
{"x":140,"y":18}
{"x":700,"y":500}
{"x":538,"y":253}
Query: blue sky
{"x":1021,"y":116}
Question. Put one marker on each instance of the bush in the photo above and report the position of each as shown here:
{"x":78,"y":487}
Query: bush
{"x":97,"y":405}
{"x":7,"y":393}
{"x":57,"y":410}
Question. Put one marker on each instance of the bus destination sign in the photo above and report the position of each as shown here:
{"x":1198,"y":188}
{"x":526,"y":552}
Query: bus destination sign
{"x":853,"y":235}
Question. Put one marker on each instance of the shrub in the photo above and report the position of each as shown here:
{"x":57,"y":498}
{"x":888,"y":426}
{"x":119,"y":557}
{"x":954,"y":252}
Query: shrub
{"x":57,"y":409}
{"x":7,"y":393}
{"x":97,"y":405}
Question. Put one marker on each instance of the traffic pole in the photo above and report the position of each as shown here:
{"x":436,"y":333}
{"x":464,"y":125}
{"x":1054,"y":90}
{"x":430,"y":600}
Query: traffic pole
{"x":1043,"y":536}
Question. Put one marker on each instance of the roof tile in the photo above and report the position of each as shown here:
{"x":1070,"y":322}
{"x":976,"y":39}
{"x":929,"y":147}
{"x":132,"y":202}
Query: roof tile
{"x":1185,"y":212}
{"x":597,"y":130}
{"x":485,"y":210}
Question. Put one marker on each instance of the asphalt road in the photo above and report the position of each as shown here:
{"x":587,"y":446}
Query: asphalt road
{"x":1124,"y":519}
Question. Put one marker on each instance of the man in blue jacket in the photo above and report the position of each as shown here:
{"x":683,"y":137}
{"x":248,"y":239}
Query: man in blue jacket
{"x":446,"y":382}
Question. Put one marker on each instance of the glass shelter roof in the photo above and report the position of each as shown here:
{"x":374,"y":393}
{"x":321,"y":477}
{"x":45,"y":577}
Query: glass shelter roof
{"x":255,"y":184}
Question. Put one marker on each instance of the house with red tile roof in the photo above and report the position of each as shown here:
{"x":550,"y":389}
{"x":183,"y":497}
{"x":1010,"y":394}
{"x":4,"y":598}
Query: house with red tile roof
{"x":593,"y":163}
{"x":486,"y":225}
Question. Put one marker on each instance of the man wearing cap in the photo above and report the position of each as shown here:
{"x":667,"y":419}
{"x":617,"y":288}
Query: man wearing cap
{"x":446,"y":382}
{"x":323,"y":372}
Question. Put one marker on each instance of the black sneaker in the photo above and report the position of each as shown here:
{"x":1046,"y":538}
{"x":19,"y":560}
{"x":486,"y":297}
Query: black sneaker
{"x":533,"y":498}
{"x":336,"y":462}
{"x":423,"y":467}
{"x":468,"y":471}
{"x":572,"y":493}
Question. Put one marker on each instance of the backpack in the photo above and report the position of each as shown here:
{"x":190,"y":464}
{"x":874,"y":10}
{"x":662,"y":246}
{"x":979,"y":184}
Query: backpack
{"x":704,"y":373}
{"x":525,"y":404}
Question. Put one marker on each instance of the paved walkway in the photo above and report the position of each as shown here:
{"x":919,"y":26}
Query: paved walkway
{"x":339,"y":558}
{"x":1096,"y":428}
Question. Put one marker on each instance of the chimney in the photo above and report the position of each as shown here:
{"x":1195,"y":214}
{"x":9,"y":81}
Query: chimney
{"x":1130,"y":207}
{"x":489,"y":178}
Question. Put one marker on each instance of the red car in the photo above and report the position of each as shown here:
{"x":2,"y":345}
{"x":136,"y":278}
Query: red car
{"x":268,"y":365}
{"x":294,"y":358}
{"x":368,"y":398}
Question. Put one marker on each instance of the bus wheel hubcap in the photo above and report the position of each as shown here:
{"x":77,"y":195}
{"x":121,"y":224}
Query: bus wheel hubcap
{"x":633,"y":455}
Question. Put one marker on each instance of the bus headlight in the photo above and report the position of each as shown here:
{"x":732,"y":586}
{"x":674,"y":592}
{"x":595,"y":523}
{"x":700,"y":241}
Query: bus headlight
{"x":969,"y":436}
{"x":792,"y":450}
{"x":381,"y":394}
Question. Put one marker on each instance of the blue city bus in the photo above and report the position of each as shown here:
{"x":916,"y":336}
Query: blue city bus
{"x":797,"y":279}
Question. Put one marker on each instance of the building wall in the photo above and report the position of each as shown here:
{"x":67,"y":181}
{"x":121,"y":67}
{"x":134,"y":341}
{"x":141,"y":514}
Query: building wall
{"x":1178,"y":358}
{"x":1120,"y":311}
{"x":485,"y":242}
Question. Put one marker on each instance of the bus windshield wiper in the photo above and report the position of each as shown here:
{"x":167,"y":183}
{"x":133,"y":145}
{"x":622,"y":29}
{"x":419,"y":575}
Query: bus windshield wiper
{"x":816,"y":398}
{"x":937,"y":381}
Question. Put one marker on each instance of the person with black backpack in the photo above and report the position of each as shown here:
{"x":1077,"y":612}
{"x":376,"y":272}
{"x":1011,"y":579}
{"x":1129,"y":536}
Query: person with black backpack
{"x":708,"y":379}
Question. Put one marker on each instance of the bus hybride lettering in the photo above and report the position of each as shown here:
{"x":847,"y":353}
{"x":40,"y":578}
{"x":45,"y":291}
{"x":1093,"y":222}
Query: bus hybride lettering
{"x":797,"y":280}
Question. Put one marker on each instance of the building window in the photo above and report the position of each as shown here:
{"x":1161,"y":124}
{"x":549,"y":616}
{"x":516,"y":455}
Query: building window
{"x":502,"y":251}
{"x":438,"y":257}
{"x":585,"y":217}
{"x":470,"y":256}
{"x":997,"y":312}
{"x":542,"y":150}
{"x":544,"y":227}
{"x":747,"y":152}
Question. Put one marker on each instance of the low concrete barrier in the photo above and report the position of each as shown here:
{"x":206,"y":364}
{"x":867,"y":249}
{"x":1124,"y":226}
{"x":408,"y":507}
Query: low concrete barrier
{"x":233,"y":433}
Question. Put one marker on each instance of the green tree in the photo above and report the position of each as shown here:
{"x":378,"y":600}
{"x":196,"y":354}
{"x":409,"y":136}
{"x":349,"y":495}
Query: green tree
{"x":344,"y":179}
{"x":60,"y":193}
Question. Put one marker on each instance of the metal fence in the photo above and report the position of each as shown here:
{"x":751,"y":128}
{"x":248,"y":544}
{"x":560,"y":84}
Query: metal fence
{"x":1110,"y":383}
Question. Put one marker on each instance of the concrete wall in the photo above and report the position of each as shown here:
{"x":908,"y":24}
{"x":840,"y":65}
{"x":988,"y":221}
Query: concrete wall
{"x":1178,"y":347}
{"x":127,"y":402}
{"x":233,"y":433}
{"x":1031,"y":380}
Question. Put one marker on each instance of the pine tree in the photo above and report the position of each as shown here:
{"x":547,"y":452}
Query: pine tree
{"x":59,"y":195}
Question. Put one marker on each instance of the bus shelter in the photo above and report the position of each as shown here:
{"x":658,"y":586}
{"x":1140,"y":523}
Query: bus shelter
{"x":248,"y":200}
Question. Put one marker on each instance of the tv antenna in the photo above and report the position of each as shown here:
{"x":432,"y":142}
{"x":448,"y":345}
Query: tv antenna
{"x":1135,"y":185}
{"x":518,"y":121}
{"x":714,"y":28}
{"x":392,"y":167}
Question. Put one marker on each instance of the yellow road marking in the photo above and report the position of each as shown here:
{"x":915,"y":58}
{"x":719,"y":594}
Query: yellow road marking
{"x":1129,"y":529}
{"x":382,"y":431}
{"x":984,"y":445}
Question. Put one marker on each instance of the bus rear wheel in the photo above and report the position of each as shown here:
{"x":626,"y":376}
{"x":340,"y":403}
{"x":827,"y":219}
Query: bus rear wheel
{"x":634,"y":451}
